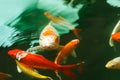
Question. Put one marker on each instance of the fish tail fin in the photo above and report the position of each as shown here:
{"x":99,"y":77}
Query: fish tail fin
{"x":3,"y":76}
{"x":76,"y":32}
{"x":67,"y":70}
{"x":70,"y":74}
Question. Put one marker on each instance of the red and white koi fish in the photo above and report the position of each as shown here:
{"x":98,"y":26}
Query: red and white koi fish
{"x":66,"y":50}
{"x":61,"y":21}
{"x":40,"y":62}
{"x":3,"y":76}
{"x":49,"y":40}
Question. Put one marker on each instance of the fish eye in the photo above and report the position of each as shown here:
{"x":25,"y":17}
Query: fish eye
{"x":46,"y":13}
{"x":118,"y":38}
{"x":56,"y":40}
{"x":113,"y":66}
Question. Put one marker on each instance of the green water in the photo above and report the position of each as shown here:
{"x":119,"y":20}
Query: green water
{"x":96,"y":22}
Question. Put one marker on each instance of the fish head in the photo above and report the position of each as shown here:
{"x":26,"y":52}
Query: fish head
{"x":14,"y":52}
{"x":47,"y":14}
{"x":75,"y":41}
{"x":116,"y":37}
{"x":113,"y":64}
{"x":49,"y":42}
{"x":110,"y":65}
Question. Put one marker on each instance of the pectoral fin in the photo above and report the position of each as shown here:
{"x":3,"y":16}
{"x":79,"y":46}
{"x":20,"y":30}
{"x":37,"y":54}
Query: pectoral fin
{"x":73,"y":53}
{"x":64,"y":60}
{"x":35,"y":49}
{"x":18,"y":69}
{"x":60,"y":47}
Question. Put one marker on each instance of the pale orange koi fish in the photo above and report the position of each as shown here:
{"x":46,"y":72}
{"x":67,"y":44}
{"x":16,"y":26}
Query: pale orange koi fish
{"x":40,"y":62}
{"x":4,"y":76}
{"x":66,"y":50}
{"x":49,"y":40}
{"x":113,"y":64}
{"x":116,"y":37}
{"x":61,"y":21}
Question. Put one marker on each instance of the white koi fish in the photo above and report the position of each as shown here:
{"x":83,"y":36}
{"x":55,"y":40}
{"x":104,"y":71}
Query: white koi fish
{"x":113,"y":64}
{"x":49,"y":40}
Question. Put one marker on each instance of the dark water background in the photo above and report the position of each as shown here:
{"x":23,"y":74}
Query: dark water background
{"x":97,"y":23}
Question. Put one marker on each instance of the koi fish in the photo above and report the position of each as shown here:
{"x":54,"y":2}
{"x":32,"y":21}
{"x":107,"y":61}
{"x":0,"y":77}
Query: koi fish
{"x":114,"y":32}
{"x":113,"y":64}
{"x":40,"y":62}
{"x":61,"y":21}
{"x":49,"y":40}
{"x":116,"y":37}
{"x":29,"y":71}
{"x":66,"y":50}
{"x":3,"y":76}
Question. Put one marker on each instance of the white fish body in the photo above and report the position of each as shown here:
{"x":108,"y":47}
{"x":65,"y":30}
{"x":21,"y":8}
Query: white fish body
{"x":113,"y":64}
{"x":49,"y":40}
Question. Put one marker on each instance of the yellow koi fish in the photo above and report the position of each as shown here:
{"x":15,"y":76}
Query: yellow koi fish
{"x":61,"y":21}
{"x":40,"y":62}
{"x":66,"y":50}
{"x":31,"y":72}
{"x":113,"y":64}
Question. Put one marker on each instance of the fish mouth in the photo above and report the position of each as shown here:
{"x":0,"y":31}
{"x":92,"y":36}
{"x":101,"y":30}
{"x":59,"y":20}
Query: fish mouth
{"x":107,"y":66}
{"x":51,"y":47}
{"x":13,"y":51}
{"x":110,"y":65}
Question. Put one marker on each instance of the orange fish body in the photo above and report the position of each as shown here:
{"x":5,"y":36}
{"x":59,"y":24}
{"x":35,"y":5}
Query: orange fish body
{"x":116,"y":37}
{"x":38,"y":61}
{"x":66,"y":50}
{"x":61,"y":21}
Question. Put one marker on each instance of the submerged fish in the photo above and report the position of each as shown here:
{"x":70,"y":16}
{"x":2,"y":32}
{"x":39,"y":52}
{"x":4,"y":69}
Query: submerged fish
{"x":40,"y":62}
{"x":3,"y":76}
{"x":113,"y":64}
{"x":32,"y":73}
{"x":115,"y":30}
{"x":61,"y":21}
{"x":66,"y":50}
{"x":49,"y":40}
{"x":116,"y":37}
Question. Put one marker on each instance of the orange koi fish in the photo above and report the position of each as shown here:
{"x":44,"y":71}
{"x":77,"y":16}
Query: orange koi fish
{"x":40,"y":62}
{"x":66,"y":50}
{"x":3,"y":76}
{"x":115,"y":31}
{"x":116,"y":37}
{"x":61,"y":21}
{"x":49,"y":40}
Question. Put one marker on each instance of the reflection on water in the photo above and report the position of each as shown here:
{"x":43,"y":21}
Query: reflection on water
{"x":96,"y":21}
